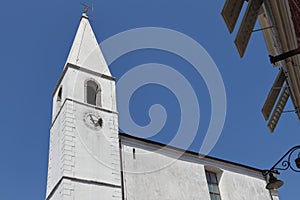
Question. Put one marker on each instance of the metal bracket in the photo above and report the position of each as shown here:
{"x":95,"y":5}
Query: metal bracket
{"x":283,"y":56}
{"x":262,"y":29}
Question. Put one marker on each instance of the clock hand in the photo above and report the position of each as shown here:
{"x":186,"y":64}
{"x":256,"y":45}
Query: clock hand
{"x":92,"y":119}
{"x":100,"y":122}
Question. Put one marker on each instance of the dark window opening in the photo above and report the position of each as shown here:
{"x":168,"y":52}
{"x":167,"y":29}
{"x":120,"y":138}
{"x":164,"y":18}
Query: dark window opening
{"x":58,"y":100}
{"x":93,"y":93}
{"x":59,"y":95}
{"x":133,"y":153}
{"x":213,"y":185}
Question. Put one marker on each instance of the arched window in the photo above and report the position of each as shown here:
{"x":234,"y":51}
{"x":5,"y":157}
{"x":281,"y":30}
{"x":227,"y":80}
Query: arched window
{"x":93,"y":93}
{"x":58,"y":99}
{"x":59,"y":95}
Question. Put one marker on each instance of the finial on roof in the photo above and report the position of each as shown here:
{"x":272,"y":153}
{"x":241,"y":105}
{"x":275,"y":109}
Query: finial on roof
{"x":86,"y":8}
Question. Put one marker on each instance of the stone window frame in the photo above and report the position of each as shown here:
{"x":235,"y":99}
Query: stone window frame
{"x":213,"y":184}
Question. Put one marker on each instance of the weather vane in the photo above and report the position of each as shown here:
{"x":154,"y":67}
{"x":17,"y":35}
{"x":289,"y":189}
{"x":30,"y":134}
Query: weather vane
{"x":86,"y":7}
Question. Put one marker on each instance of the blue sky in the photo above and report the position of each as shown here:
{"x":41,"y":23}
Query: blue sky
{"x":35,"y":40}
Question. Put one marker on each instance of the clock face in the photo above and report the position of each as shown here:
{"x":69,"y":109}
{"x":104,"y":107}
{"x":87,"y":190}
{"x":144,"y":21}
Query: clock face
{"x":93,"y":120}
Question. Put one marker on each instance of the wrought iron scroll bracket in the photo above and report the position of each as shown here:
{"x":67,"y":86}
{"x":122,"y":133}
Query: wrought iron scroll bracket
{"x":285,"y":162}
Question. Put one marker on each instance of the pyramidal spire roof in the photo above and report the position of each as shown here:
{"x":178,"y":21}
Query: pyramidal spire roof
{"x":85,"y":51}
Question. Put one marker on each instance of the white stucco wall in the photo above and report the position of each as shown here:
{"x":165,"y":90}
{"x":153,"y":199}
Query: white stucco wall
{"x":84,"y":159}
{"x":242,"y":186}
{"x":76,"y":149}
{"x":73,"y":87}
{"x":159,"y":174}
{"x":97,"y":151}
{"x":69,"y":190}
{"x":91,"y":192}
{"x":83,"y":153}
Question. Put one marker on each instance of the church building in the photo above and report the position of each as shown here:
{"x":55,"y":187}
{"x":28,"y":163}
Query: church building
{"x":89,"y":159}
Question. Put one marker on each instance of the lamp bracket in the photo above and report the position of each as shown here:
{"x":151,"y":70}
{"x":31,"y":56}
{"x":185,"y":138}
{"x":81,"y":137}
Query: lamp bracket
{"x":284,"y":163}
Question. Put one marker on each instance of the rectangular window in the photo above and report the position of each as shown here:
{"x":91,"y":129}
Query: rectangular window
{"x":213,"y":185}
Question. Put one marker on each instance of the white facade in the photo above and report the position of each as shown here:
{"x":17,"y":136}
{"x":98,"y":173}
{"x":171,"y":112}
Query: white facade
{"x":84,"y":159}
{"x":153,"y":171}
{"x":84,"y":156}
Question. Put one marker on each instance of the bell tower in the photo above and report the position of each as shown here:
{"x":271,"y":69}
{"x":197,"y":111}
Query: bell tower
{"x":84,"y":157}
